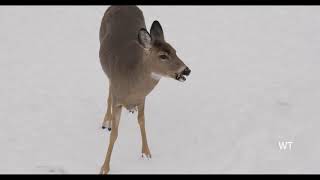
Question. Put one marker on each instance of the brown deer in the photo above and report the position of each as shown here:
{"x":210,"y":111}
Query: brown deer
{"x":134,"y":61}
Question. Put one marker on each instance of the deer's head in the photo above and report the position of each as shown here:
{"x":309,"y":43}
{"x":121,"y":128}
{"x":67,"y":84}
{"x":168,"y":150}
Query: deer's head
{"x":161,"y":58}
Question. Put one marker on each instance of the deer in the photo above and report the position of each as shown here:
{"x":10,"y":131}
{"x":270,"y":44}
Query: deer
{"x":134,"y":61}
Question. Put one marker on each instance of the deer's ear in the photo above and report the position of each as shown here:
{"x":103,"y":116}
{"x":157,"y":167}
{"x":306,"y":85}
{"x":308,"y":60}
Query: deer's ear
{"x":156,"y":31}
{"x":144,"y":39}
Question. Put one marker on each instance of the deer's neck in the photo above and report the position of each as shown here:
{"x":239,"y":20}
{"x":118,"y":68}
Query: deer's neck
{"x":147,"y":79}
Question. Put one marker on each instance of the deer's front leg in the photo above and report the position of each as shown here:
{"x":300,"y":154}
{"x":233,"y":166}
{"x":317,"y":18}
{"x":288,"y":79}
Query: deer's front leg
{"x":116,"y":113}
{"x":141,"y":120}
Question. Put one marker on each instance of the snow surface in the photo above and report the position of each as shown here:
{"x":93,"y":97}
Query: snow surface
{"x":254,"y":82}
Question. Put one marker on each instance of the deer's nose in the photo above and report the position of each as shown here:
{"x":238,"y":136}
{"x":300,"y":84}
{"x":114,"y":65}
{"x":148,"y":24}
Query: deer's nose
{"x":186,"y":71}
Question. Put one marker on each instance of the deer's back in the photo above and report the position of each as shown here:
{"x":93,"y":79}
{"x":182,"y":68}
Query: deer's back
{"x":119,"y":51}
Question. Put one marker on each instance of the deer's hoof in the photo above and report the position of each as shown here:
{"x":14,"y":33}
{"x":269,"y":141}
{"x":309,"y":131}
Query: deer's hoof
{"x":109,"y":129}
{"x":106,"y":125}
{"x":104,"y":170}
{"x":145,"y":156}
{"x":103,"y":127}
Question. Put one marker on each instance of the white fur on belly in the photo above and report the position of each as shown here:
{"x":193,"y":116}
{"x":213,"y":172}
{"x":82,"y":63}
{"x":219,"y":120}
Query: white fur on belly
{"x":155,"y":76}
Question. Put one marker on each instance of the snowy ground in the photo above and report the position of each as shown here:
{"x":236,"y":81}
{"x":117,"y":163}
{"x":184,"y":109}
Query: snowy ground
{"x":255,"y":81}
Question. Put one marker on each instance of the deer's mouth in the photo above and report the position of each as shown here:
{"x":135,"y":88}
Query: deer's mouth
{"x":180,"y":77}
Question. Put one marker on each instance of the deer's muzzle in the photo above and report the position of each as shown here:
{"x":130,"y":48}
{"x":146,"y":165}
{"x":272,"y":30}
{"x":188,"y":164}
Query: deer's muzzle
{"x":181,"y":76}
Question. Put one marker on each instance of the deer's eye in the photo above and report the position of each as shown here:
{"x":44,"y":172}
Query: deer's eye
{"x":164,"y":57}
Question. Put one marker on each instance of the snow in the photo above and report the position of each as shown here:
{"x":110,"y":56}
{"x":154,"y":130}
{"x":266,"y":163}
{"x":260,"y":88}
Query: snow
{"x":254,"y":82}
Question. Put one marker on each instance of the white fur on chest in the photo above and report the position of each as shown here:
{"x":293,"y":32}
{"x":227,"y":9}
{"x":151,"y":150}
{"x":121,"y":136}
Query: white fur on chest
{"x":155,"y":76}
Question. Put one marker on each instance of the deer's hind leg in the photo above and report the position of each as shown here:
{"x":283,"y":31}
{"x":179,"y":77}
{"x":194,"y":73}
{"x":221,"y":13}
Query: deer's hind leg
{"x":113,"y":137}
{"x":107,"y":123}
